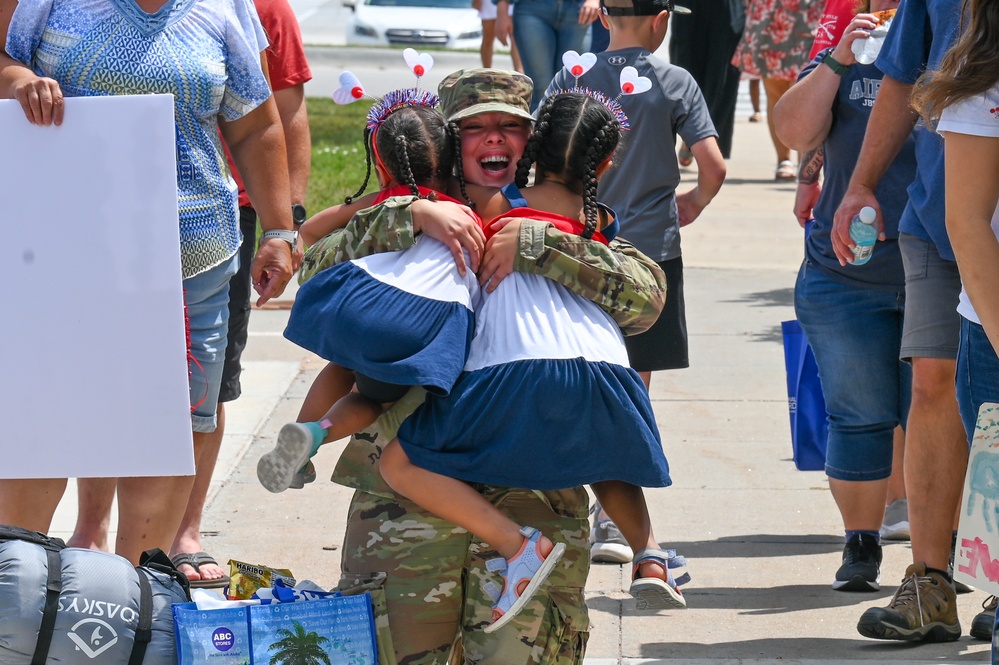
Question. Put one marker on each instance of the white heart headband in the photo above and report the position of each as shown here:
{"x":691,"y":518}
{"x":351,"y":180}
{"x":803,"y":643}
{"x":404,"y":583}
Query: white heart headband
{"x":631,"y":83}
{"x":351,"y":90}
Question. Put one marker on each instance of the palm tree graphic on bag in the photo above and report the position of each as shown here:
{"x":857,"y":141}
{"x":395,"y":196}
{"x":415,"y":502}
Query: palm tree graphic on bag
{"x":301,"y":647}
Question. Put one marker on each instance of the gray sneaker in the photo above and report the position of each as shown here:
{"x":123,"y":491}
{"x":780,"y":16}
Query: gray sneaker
{"x":607,"y":545}
{"x":895,"y":525}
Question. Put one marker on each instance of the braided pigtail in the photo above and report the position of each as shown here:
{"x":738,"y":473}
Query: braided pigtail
{"x":368,"y":137}
{"x":405,"y":168}
{"x":533,"y":147}
{"x":459,"y":168}
{"x":603,"y":146}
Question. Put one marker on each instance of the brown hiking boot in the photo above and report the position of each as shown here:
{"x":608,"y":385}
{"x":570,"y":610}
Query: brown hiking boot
{"x":924,"y":609}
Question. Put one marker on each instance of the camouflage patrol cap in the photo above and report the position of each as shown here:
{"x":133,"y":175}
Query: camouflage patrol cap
{"x":469,"y":92}
{"x":640,"y":7}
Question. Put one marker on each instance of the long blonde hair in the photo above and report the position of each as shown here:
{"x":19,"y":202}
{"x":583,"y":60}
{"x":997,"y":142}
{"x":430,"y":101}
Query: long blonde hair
{"x":970,"y":67}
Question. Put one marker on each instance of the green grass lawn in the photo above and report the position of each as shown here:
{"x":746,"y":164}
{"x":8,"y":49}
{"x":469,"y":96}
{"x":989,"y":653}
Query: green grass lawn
{"x":337,"y":152}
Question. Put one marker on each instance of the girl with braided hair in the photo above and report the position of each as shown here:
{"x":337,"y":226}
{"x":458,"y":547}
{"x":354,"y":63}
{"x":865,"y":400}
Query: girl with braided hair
{"x":396,"y":319}
{"x":546,"y":384}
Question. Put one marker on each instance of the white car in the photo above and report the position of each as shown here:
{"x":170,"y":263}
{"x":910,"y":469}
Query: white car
{"x":416,"y":23}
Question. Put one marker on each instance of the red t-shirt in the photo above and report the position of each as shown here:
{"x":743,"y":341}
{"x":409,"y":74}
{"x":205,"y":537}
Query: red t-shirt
{"x":286,"y":60}
{"x":835,"y":17}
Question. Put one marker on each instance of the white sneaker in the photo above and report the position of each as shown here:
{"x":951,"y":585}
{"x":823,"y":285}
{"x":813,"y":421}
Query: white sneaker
{"x":896,"y":522}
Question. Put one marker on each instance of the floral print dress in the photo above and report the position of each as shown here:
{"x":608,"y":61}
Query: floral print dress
{"x":777,"y":38}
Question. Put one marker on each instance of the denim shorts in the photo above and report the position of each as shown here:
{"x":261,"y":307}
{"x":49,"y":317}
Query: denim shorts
{"x":977,"y":373}
{"x":207,"y":298}
{"x":932,"y":289}
{"x":855,"y":334}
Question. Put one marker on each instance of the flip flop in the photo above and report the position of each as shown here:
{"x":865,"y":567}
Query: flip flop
{"x":196,"y":560}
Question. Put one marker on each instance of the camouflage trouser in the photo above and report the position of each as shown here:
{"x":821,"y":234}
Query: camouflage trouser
{"x":435,"y":581}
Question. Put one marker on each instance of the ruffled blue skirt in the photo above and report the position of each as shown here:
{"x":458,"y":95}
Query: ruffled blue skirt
{"x":540,"y":424}
{"x":348,"y":317}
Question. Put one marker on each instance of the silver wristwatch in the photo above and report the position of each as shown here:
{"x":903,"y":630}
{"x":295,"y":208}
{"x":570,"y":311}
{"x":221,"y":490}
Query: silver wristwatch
{"x":290,"y":237}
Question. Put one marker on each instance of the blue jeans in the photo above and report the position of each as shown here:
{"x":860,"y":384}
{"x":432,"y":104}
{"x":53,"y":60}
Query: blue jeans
{"x":207,"y":298}
{"x":544,"y":30}
{"x":856,"y":334}
{"x":977,"y":373}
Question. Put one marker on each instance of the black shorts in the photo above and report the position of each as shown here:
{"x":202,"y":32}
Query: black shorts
{"x":664,"y":345}
{"x":239,"y":307}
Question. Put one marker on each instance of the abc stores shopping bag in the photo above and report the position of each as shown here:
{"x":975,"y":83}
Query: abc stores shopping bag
{"x":341,"y":628}
{"x":806,"y":405}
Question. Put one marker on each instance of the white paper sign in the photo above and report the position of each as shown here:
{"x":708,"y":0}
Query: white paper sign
{"x":975,"y":559}
{"x":93,"y":358}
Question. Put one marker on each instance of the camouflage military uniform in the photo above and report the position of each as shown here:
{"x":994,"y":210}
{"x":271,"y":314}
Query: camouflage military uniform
{"x":430,"y":579}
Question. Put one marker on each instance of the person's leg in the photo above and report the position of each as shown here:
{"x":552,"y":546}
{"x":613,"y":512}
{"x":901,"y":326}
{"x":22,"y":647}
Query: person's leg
{"x":977,"y":383}
{"x":534,"y":30}
{"x":188,"y":537}
{"x":855,"y":335}
{"x":287,"y":464}
{"x":518,"y":64}
{"x":895,"y":525}
{"x":936,"y":459}
{"x":936,"y":452}
{"x":187,"y":540}
{"x":94,"y":497}
{"x":453,"y":500}
{"x":488,"y":38}
{"x":625,"y":504}
{"x":30,"y":503}
{"x":149,"y":512}
{"x":775,"y":89}
{"x":754,"y":99}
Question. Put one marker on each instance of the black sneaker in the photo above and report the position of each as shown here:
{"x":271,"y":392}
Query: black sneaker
{"x":861,"y":569}
{"x":981,"y":625}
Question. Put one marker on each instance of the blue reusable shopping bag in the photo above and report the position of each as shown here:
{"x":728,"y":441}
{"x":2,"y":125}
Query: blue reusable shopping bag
{"x":806,"y":406}
{"x":342,"y":628}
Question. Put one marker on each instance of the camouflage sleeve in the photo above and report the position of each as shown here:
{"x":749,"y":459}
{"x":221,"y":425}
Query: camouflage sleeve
{"x":625,"y":283}
{"x":386,"y":227}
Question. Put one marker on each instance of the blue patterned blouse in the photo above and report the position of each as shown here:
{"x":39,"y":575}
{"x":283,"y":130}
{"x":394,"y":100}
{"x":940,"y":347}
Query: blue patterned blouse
{"x":204,"y":52}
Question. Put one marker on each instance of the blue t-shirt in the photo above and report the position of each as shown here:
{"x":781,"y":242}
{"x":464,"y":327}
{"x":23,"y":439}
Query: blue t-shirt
{"x":851,"y":110}
{"x":206,"y":53}
{"x":921,"y":33}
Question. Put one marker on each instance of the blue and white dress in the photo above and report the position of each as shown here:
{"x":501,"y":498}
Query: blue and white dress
{"x":399,"y":317}
{"x":547,"y":399}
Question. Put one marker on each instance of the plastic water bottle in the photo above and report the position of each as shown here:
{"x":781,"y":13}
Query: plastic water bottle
{"x":864,"y":234}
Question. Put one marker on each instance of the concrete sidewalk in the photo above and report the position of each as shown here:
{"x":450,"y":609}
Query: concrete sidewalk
{"x":763,"y":539}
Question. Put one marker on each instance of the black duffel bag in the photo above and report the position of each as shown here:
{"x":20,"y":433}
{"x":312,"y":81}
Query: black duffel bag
{"x":68,"y":605}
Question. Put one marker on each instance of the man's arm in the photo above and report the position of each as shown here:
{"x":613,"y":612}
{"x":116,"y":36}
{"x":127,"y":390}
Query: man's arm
{"x":890,"y":124}
{"x":972,"y":186}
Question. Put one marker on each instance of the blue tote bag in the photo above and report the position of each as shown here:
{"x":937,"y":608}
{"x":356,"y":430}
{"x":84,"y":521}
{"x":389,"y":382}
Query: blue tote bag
{"x":806,"y":406}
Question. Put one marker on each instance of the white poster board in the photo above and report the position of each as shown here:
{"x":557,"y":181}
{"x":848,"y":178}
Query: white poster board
{"x":975,"y":558}
{"x":93,"y":356}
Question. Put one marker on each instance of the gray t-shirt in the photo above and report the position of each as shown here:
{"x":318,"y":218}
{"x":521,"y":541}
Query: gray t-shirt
{"x":641,"y":186}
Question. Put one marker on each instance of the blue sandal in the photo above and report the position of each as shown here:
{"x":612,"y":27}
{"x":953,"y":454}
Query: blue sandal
{"x":527,"y":566}
{"x":654,"y":593}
